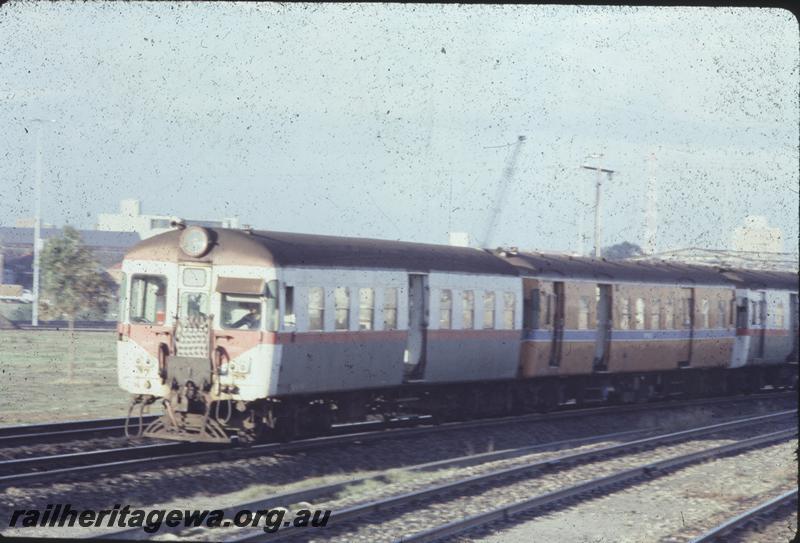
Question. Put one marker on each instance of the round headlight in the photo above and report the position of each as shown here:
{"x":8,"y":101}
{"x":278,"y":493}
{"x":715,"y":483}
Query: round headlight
{"x":195,"y":241}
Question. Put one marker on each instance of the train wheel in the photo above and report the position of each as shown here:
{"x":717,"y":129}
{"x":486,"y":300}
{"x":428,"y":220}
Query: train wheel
{"x":320,"y":419}
{"x":284,"y":422}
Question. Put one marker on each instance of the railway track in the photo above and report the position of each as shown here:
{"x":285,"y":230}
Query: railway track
{"x":34,"y":434}
{"x":756,"y":515}
{"x":315,"y":493}
{"x":29,"y":470}
{"x":593,"y":487}
{"x":21,"y":471}
{"x":625,"y":443}
{"x":63,"y":326}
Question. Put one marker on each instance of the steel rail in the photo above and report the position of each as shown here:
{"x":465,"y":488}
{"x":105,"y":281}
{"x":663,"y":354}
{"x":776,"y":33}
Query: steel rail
{"x":32,"y":434}
{"x":63,"y":426}
{"x":35,"y":434}
{"x":607,"y":483}
{"x":740,"y":521}
{"x":166,"y":454}
{"x":315,"y":493}
{"x":551,"y":463}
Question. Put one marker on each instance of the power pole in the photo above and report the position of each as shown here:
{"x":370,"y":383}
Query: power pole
{"x":37,"y":220}
{"x":581,"y":250}
{"x":598,"y":184}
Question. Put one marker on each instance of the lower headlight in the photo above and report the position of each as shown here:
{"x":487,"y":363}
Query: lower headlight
{"x":240,"y":366}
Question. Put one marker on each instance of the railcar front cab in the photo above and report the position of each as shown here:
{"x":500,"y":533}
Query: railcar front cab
{"x":174,"y":345}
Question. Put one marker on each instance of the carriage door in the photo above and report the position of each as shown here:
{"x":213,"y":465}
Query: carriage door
{"x":687,"y":310}
{"x":558,"y":324}
{"x":793,"y":326}
{"x":742,"y":344}
{"x":759,"y":320}
{"x":193,"y":328}
{"x":417,"y":326}
{"x":603,"y":338}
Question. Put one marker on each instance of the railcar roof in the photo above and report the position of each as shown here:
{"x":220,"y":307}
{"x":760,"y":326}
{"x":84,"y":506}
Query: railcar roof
{"x":267,"y":248}
{"x":755,"y":279}
{"x":577,"y":267}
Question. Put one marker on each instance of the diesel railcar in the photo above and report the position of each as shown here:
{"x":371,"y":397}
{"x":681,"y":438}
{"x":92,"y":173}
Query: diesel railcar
{"x":338,"y":326}
{"x":267,"y":334}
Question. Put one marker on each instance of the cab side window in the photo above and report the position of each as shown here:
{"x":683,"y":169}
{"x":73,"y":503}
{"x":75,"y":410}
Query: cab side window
{"x":241,"y":312}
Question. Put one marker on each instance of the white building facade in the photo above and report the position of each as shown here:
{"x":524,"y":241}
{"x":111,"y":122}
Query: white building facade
{"x":755,"y":235}
{"x":131,"y":219}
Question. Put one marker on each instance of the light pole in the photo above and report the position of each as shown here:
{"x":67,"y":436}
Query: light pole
{"x":598,"y":184}
{"x":37,"y":220}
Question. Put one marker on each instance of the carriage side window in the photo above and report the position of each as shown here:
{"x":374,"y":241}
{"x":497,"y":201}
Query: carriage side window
{"x":548,"y":314}
{"x":655,"y":314}
{"x":639,"y":317}
{"x":583,"y":313}
{"x":721,"y":317}
{"x":624,"y":314}
{"x":687,"y":312}
{"x":148,"y":303}
{"x":669,"y":315}
{"x":732,"y":313}
{"x":468,"y":309}
{"x":316,"y":308}
{"x":779,"y":315}
{"x":445,"y":309}
{"x":390,"y":309}
{"x":753,"y":313}
{"x":704,"y":311}
{"x":509,"y":301}
{"x":488,"y":310}
{"x":681,"y":313}
{"x":366,"y":309}
{"x":289,"y":320}
{"x":240,"y":311}
{"x":341,"y":297}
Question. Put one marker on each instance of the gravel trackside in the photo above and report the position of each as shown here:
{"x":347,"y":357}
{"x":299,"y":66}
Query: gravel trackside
{"x":671,"y":509}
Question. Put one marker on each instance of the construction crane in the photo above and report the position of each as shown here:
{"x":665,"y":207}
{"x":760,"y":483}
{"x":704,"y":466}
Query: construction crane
{"x":502,"y":190}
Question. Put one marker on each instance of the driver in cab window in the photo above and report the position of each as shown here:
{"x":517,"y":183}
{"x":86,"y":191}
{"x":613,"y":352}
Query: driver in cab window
{"x":251,"y":319}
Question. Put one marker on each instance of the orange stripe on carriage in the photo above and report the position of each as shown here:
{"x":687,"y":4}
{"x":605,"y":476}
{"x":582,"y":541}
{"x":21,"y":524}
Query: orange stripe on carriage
{"x":758,"y":331}
{"x":347,"y":336}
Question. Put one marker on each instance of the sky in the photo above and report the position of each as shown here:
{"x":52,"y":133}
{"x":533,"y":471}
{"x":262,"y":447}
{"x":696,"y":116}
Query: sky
{"x":394,"y":121}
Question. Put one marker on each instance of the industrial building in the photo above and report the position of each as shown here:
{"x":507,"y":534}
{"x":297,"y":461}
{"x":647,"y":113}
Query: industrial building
{"x":131,"y":219}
